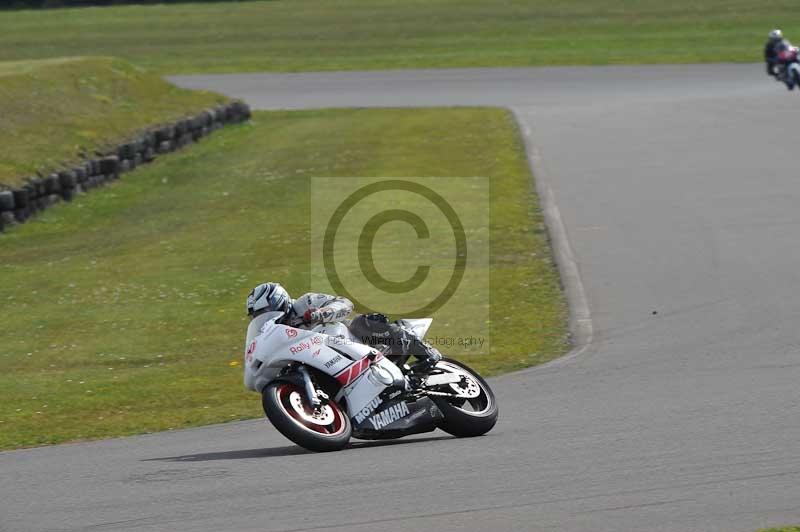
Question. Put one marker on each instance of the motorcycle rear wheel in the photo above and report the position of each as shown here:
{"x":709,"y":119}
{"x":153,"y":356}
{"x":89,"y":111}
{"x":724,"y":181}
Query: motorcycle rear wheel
{"x":325,"y":429}
{"x":466,"y":418}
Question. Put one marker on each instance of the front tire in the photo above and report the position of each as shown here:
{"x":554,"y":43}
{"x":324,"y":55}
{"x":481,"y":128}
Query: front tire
{"x":325,"y":429}
{"x":466,"y":418}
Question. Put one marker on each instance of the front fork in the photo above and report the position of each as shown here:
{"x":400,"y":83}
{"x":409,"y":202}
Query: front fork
{"x":311,"y":391}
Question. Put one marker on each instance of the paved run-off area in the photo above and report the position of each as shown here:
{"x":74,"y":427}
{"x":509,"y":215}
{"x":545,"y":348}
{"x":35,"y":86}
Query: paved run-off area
{"x":679,"y":192}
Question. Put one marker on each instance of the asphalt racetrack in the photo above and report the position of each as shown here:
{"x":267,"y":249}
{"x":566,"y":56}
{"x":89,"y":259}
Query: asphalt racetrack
{"x":679,"y":192}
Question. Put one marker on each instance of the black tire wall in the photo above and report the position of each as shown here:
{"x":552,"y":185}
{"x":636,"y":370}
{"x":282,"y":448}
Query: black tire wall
{"x":17,"y":205}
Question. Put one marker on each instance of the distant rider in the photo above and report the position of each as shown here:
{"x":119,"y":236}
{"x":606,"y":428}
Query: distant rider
{"x":778,"y":56}
{"x":312,"y":309}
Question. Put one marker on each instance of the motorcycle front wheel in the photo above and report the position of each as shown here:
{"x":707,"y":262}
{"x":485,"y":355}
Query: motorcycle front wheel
{"x":473,"y":414}
{"x":324,"y":429}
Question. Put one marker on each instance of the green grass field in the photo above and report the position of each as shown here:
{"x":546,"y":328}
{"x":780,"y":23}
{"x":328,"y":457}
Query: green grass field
{"x":782,"y":529}
{"x":123,"y":312}
{"x":51,"y":110}
{"x":294,"y":35}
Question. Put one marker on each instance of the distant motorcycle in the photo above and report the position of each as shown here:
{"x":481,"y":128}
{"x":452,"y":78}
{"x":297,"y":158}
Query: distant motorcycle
{"x":790,"y":73}
{"x":320,"y":387}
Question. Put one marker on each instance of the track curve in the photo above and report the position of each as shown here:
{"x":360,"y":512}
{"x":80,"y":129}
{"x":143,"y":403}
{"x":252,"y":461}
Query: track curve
{"x":678,"y":190}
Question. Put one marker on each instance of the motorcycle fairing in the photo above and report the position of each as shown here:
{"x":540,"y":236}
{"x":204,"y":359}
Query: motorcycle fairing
{"x":365,"y":375}
{"x":370,"y":379}
{"x":396,"y":418}
{"x":276,"y":345}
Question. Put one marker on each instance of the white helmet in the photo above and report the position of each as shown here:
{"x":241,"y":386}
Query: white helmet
{"x":775,"y":35}
{"x":268,"y":297}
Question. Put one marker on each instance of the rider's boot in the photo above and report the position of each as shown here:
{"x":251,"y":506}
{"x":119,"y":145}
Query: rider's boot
{"x":427,"y":355}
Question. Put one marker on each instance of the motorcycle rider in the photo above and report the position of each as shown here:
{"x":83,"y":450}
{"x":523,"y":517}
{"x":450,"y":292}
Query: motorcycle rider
{"x":776,"y":47}
{"x":312,"y":309}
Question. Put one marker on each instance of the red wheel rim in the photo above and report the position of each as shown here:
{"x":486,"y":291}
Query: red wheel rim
{"x":328,"y":421}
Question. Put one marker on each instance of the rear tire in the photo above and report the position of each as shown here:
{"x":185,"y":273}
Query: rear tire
{"x":327,"y":429}
{"x":459,"y":421}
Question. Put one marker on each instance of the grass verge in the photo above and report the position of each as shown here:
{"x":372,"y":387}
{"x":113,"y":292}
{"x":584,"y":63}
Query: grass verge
{"x":781,"y":529}
{"x":123,"y":311}
{"x":52,"y":110}
{"x":297,"y":35}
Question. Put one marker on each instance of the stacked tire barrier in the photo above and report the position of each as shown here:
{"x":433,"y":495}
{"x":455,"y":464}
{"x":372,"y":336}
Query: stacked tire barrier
{"x":19,"y":204}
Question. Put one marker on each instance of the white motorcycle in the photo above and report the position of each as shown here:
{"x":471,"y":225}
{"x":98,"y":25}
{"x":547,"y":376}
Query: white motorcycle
{"x":319,"y":387}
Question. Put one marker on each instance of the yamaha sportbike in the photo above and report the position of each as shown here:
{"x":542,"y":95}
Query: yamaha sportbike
{"x":790,"y":71}
{"x":321,"y":387}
